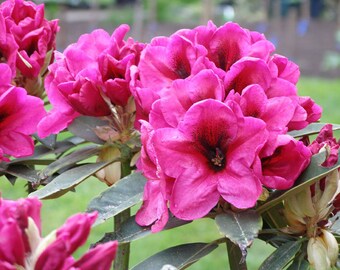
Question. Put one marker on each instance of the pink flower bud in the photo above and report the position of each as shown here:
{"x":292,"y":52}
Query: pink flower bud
{"x":34,"y":35}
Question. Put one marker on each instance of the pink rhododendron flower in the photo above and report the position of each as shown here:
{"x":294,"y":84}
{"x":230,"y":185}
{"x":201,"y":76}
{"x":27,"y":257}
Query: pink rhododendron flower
{"x":174,"y":102}
{"x":236,"y":55}
{"x":251,"y":70}
{"x":8,"y":46}
{"x":94,"y":68}
{"x":23,"y":248}
{"x":281,"y":67}
{"x":187,"y":52}
{"x":154,"y":210}
{"x":228,"y":43}
{"x":311,"y":113}
{"x":275,"y":112}
{"x":20,"y":115}
{"x":326,"y":140}
{"x":284,"y":166}
{"x":167,"y":59}
{"x":209,"y":155}
{"x":34,"y":35}
{"x":201,"y":94}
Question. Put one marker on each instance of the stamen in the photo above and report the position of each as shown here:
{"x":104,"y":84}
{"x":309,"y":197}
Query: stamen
{"x":218,"y":160}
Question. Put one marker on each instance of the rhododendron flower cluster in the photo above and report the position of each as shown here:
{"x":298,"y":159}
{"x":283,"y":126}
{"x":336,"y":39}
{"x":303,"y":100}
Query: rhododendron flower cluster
{"x":22,"y":246}
{"x":215,"y":105}
{"x":20,"y":114}
{"x":26,"y":43}
{"x":89,"y":78}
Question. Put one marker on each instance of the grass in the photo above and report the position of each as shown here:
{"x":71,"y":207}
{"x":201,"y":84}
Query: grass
{"x":55,"y":212}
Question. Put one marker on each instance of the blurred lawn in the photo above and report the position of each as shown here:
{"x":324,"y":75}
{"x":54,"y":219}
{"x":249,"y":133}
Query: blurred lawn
{"x":55,"y":212}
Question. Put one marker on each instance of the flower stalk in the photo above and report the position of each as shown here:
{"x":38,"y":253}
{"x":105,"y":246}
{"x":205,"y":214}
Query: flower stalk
{"x":123,"y":253}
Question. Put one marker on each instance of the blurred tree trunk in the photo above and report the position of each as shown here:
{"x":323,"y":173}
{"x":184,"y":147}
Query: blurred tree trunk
{"x":207,"y":10}
{"x":138,"y":20}
{"x":306,"y":9}
{"x":152,"y":19}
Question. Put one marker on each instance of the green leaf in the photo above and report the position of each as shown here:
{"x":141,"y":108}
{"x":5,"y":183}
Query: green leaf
{"x":131,"y":231}
{"x":311,"y":129}
{"x":241,"y":228}
{"x":275,"y":237}
{"x":75,"y":140}
{"x":274,"y":217}
{"x":180,"y":256}
{"x":281,"y":256}
{"x":24,"y":172}
{"x":49,"y":141}
{"x":83,"y":127}
{"x":312,"y":174}
{"x":71,"y":159}
{"x":299,"y":264}
{"x":12,"y":179}
{"x":32,"y":161}
{"x":68,"y":180}
{"x":125,"y":193}
{"x":40,"y":151}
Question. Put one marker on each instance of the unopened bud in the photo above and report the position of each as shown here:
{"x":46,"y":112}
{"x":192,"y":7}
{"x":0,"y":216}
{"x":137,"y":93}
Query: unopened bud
{"x":111,"y":173}
{"x":131,"y":106}
{"x":331,"y":246}
{"x":305,"y":203}
{"x":317,"y":254}
{"x":328,"y":195}
{"x":107,"y":133}
{"x":135,"y":159}
{"x":297,"y":224}
{"x":33,"y":234}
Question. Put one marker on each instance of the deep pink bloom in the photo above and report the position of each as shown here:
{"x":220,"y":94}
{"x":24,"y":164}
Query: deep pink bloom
{"x":167,"y":59}
{"x":284,"y":166}
{"x":97,"y":65}
{"x":13,"y":223}
{"x":76,"y":230}
{"x":8,"y":46}
{"x":310,"y":112}
{"x":19,"y":114}
{"x":336,"y":204}
{"x":187,"y":52}
{"x":34,"y":35}
{"x":99,"y":258}
{"x":228,"y":43}
{"x":251,"y":70}
{"x":281,"y":67}
{"x":174,"y":102}
{"x":22,"y":246}
{"x":275,"y":112}
{"x":154,"y":210}
{"x":157,"y":190}
{"x":231,"y":42}
{"x":325,"y":139}
{"x":326,"y":142}
{"x":217,"y":106}
{"x":209,"y":155}
{"x":12,"y":248}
